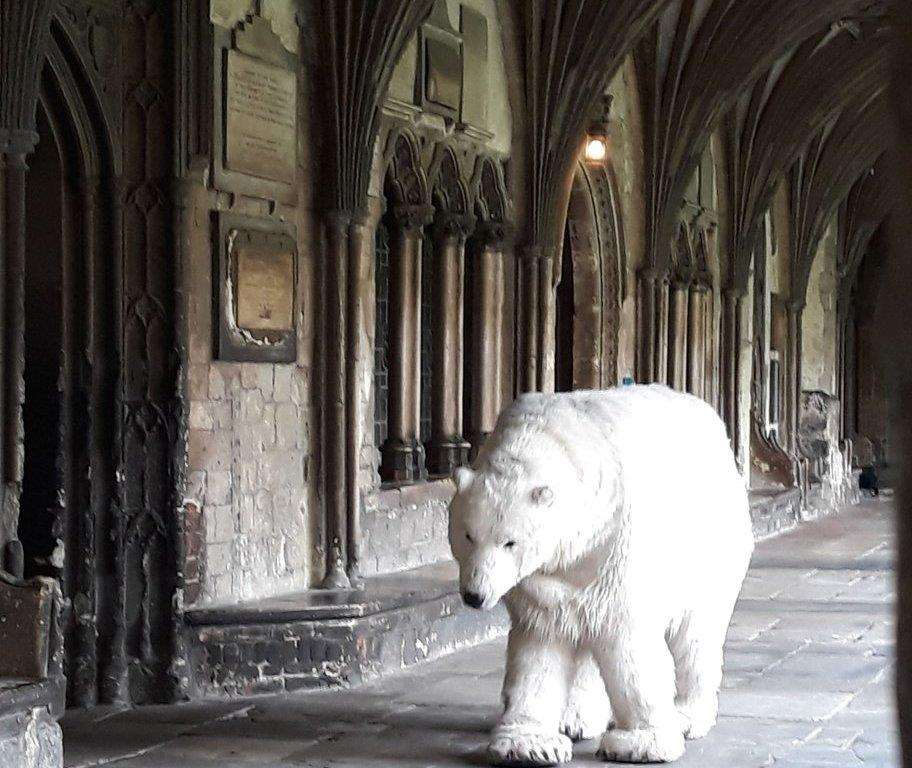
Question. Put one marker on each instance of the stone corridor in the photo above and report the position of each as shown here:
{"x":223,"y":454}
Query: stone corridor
{"x":808,"y":682}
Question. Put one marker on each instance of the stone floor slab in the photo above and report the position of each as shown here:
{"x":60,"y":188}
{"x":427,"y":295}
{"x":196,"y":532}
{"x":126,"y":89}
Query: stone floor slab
{"x":808,"y":682}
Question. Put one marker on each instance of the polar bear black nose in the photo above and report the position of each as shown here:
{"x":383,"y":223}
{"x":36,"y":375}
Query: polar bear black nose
{"x":473,"y":599}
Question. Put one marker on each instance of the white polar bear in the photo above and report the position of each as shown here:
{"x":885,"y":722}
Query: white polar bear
{"x":615,"y":526}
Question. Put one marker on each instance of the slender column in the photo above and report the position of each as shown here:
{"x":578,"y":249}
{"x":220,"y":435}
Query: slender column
{"x":447,"y":449}
{"x":486,"y":342}
{"x":359,"y":360}
{"x":793,"y":373}
{"x":547,"y":299}
{"x":402,"y":456}
{"x":663,"y":313}
{"x":697,"y":340}
{"x":731,"y":355}
{"x":527,"y":331}
{"x":14,"y":171}
{"x":646,"y":326}
{"x":334,"y":387}
{"x":680,"y":346}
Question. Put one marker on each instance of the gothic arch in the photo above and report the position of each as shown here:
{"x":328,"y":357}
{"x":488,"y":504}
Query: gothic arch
{"x":593,"y":260}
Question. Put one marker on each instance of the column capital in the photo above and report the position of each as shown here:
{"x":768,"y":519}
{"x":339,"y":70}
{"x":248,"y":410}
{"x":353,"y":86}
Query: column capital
{"x":413,"y":216}
{"x":456,"y":225}
{"x":493,"y":234}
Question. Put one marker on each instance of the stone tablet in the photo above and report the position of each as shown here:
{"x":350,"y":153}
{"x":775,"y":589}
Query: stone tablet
{"x":260,"y":123}
{"x":265,"y":289}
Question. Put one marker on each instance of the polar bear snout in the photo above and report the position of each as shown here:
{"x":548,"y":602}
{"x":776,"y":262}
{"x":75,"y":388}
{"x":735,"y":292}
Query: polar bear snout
{"x":472,"y":599}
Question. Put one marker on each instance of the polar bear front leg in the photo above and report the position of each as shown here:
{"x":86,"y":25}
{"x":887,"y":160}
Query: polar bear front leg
{"x":534,"y":694}
{"x":588,"y":711}
{"x":639,"y":675}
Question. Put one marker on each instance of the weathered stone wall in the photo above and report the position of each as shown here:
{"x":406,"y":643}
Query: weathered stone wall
{"x":30,"y":740}
{"x":818,"y":351}
{"x":249,"y":491}
{"x":406,"y":527}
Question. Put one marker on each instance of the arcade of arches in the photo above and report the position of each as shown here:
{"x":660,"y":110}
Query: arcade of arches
{"x":271,"y":269}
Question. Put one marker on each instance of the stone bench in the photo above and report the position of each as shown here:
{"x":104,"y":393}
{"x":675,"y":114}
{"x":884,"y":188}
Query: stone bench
{"x":32,"y":685}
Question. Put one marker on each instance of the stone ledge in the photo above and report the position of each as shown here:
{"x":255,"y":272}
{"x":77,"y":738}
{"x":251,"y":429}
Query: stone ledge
{"x":320,"y":639}
{"x":774,"y":510}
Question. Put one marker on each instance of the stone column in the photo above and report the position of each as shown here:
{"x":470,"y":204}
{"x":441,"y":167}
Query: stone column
{"x":697,"y":339}
{"x":335,"y":329}
{"x":680,"y":347}
{"x":731,"y":356}
{"x":646,"y":326}
{"x":402,"y":456}
{"x":23,"y":38}
{"x":527,"y":331}
{"x":793,"y":374}
{"x":661,"y":339}
{"x":547,"y":303}
{"x":446,"y":448}
{"x":486,"y":343}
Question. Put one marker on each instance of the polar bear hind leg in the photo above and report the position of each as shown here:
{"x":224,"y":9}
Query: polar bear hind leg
{"x":639,"y":675}
{"x":535,"y":695}
{"x":588,"y":711}
{"x":697,"y":650}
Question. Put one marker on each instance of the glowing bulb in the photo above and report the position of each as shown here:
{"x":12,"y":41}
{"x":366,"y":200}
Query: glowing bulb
{"x":596,"y":149}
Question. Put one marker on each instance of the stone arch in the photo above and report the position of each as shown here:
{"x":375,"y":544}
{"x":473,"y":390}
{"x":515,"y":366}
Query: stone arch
{"x":405,"y":183}
{"x":591,"y":286}
{"x":70,"y":315}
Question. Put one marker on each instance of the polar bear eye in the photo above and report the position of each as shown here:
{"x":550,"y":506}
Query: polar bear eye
{"x":510,"y":545}
{"x":471,"y":540}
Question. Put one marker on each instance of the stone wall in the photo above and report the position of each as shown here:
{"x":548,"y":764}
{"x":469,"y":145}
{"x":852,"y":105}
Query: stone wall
{"x":818,"y":350}
{"x":248,"y":495}
{"x":406,"y":527}
{"x":30,"y":740}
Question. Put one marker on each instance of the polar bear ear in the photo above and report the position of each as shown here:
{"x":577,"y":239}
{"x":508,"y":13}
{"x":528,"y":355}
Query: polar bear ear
{"x":463,"y":477}
{"x":543,"y":496}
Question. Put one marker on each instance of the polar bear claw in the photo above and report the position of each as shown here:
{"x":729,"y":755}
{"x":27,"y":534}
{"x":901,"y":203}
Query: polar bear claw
{"x":529,"y":748}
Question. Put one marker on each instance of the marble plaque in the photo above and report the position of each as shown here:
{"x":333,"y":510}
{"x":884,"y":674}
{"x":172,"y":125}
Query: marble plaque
{"x":260,"y":123}
{"x":265,"y":288}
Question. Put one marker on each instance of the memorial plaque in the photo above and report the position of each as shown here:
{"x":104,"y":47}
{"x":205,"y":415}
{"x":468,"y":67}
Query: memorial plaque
{"x":265,"y":289}
{"x":260,"y":125}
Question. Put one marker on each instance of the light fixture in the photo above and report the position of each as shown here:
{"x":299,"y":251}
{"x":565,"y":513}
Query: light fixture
{"x":596,"y":148}
{"x":598,"y":137}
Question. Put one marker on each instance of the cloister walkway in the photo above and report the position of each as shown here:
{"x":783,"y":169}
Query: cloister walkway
{"x":808,"y":682}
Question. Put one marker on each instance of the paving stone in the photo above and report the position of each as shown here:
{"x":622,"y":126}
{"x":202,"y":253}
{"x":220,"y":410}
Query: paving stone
{"x":808,"y":682}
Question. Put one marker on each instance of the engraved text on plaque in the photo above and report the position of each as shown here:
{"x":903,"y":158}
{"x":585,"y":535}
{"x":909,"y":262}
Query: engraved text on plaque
{"x":260,"y":119}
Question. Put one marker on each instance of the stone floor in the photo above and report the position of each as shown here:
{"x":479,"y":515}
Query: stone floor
{"x":808,"y":682}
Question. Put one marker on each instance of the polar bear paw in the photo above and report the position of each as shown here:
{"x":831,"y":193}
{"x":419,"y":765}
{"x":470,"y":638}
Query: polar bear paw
{"x":581,"y":723}
{"x":644,"y":745}
{"x":509,"y":747}
{"x":697,"y":717}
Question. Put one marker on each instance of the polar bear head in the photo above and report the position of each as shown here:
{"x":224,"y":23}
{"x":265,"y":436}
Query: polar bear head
{"x":507,"y":524}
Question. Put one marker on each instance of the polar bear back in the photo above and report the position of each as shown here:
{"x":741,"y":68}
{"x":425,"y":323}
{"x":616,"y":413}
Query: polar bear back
{"x":682,"y":491}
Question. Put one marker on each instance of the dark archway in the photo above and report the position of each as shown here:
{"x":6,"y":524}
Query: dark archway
{"x":589,"y":294}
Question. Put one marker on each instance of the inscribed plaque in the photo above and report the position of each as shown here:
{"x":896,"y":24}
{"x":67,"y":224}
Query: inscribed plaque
{"x":265,"y":289}
{"x":260,"y":110}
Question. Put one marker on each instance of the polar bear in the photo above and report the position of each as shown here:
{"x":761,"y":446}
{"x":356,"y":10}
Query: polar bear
{"x":615,"y":526}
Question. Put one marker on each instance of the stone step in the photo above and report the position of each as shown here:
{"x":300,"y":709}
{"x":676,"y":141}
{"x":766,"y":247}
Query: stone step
{"x":322,"y":638}
{"x":773,"y":511}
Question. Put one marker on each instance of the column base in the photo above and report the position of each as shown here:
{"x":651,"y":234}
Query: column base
{"x":444,"y":455}
{"x":402,"y":461}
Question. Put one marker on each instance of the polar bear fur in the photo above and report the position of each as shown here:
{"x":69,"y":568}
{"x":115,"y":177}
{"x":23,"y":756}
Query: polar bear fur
{"x":615,"y":526}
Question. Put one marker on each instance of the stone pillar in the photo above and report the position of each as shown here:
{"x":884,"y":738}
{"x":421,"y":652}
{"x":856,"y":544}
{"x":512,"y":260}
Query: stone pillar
{"x":680,"y":345}
{"x":646,"y":326}
{"x":335,"y":328}
{"x":484,"y":347}
{"x":23,"y":37}
{"x":660,"y":341}
{"x":697,"y":339}
{"x":547,"y":308}
{"x":527,"y":332}
{"x":793,"y":374}
{"x":446,"y":448}
{"x":731,"y":356}
{"x":359,"y":363}
{"x":402,"y":455}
